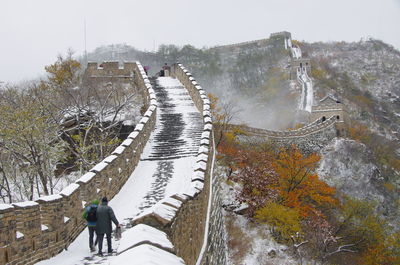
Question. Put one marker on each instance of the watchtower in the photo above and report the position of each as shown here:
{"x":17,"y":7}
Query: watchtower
{"x":110,"y":71}
{"x":285,"y":36}
{"x":301,"y":64}
{"x":328,"y":107}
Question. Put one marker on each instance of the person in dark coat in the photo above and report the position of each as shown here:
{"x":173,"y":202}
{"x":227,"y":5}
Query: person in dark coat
{"x":105,"y":215}
{"x":90,"y":216}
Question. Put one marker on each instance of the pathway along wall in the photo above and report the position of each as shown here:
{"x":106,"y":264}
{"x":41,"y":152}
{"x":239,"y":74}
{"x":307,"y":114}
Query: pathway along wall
{"x":183,"y":216}
{"x":31,"y":231}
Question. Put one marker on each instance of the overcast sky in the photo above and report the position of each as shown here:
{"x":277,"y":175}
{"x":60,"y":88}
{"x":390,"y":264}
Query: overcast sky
{"x":33,"y":32}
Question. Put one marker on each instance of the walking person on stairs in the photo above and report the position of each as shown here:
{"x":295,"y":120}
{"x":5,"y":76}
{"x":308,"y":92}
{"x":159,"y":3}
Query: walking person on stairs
{"x":105,"y":215}
{"x":90,"y":216}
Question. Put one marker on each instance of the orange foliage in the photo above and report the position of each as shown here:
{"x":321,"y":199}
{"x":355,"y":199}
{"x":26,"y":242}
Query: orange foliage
{"x":299,"y":186}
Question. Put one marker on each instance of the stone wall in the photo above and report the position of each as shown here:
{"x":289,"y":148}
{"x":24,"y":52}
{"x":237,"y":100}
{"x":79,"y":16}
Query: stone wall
{"x":183,"y":216}
{"x":110,"y":72}
{"x":307,"y":142}
{"x":31,"y":231}
{"x":309,"y":129}
{"x":217,"y":248}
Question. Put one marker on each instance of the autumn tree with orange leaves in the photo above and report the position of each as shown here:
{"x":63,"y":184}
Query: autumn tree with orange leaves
{"x":255,"y":173}
{"x":298,"y":185}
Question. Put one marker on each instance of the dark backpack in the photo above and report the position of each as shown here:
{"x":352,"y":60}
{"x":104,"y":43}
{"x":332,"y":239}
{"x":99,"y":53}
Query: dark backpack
{"x":91,"y":215}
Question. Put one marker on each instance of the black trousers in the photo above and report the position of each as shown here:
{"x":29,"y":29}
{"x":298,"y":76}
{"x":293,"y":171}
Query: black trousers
{"x":92,"y":231}
{"x":100,"y":239}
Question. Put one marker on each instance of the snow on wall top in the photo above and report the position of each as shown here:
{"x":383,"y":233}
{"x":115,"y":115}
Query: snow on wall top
{"x":146,"y":255}
{"x":25,"y":204}
{"x":50,"y":198}
{"x":99,"y":167}
{"x":70,"y":189}
{"x":110,"y":159}
{"x":86,"y":178}
{"x":4,"y":207}
{"x":143,"y":233}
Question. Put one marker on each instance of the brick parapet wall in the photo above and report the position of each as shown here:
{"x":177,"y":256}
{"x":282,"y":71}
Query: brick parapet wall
{"x":33,"y":231}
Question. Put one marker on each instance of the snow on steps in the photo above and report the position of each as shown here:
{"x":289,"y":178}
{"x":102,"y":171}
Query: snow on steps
{"x":145,"y":243}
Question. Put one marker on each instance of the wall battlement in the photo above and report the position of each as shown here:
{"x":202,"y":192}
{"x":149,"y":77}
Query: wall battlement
{"x":33,"y":231}
{"x":110,"y":71}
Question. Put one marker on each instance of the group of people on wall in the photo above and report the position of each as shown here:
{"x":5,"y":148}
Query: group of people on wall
{"x":165,"y":70}
{"x":99,"y":217}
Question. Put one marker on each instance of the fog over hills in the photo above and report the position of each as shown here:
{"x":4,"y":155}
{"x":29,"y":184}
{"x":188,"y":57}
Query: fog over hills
{"x":37,"y":31}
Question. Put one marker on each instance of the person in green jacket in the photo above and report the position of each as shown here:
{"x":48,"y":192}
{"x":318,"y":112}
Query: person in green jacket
{"x":105,"y":215}
{"x":90,"y":216}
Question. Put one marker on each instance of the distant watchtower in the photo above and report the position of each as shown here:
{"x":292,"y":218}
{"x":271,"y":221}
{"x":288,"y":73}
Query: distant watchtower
{"x":285,"y":36}
{"x":301,"y":64}
{"x":330,"y":106}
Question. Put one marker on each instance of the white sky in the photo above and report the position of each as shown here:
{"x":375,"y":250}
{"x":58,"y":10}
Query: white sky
{"x":33,"y":32}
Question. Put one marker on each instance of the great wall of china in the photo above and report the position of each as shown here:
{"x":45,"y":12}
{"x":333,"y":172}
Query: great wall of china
{"x":325,"y":120}
{"x":188,"y":225}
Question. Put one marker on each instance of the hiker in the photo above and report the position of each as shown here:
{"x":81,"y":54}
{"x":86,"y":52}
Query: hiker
{"x":146,"y":69}
{"x":105,"y":215}
{"x":166,"y":69}
{"x":90,"y":216}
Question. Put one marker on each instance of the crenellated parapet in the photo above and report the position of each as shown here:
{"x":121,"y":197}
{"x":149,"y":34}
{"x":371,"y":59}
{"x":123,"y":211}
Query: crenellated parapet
{"x":315,"y":127}
{"x":31,"y":231}
{"x":109,"y":71}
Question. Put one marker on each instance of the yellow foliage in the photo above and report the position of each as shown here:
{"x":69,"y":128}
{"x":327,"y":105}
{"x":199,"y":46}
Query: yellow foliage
{"x":284,"y":221}
{"x":62,"y":73}
{"x":385,"y":252}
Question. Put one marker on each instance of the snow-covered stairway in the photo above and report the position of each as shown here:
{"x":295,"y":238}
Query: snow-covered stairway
{"x":166,"y":167}
{"x":307,"y":91}
{"x":175,"y":142}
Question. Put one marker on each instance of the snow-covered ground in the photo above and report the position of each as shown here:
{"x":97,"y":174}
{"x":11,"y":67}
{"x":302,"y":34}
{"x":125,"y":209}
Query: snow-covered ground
{"x":249,"y":243}
{"x":165,"y":168}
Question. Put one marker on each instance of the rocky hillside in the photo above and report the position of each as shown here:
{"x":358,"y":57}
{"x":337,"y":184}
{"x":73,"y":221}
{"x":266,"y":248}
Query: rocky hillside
{"x":366,"y":75}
